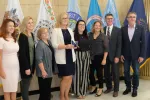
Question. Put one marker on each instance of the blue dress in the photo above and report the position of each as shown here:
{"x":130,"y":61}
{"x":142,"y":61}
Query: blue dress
{"x":68,"y":68}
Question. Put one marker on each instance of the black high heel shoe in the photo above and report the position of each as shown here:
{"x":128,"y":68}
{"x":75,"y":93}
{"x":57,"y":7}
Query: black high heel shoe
{"x":93,"y":91}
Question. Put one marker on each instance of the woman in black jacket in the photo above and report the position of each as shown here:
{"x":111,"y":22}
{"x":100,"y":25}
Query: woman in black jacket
{"x":26,"y":55}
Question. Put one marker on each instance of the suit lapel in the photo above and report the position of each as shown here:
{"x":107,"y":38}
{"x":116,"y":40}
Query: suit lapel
{"x":112,"y":32}
{"x":60,"y":35}
{"x":105,"y":30}
{"x":135,"y":31}
{"x":126,"y":33}
{"x":70,"y":33}
{"x":60,"y":32}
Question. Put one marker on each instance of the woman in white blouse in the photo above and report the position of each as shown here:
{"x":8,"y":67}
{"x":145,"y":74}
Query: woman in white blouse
{"x":63,"y":42}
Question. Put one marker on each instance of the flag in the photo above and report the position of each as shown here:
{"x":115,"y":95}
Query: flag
{"x":94,"y":14}
{"x":46,"y":18}
{"x":14,"y":11}
{"x":74,"y":13}
{"x":111,"y":8}
{"x":138,"y":7}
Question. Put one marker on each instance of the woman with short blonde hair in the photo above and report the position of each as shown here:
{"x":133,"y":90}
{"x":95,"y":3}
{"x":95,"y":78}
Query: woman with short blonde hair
{"x":63,"y":42}
{"x":60,"y":19}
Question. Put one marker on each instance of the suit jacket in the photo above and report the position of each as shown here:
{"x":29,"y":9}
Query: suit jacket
{"x":114,"y":43}
{"x":24,"y":56}
{"x":56,"y":39}
{"x":136,"y":47}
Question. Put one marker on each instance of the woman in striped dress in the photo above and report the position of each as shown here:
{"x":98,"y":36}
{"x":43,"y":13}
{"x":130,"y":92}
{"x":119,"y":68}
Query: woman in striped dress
{"x":83,"y":60}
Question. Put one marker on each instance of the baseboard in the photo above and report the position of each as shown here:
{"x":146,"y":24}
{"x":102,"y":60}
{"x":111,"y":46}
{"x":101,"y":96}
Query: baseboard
{"x":32,"y":92}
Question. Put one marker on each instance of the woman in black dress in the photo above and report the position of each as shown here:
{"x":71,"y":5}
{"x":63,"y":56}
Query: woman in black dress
{"x":62,"y":39}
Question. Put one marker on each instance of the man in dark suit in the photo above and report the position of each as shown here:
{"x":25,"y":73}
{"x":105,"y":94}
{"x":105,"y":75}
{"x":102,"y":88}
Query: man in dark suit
{"x":114,"y":35}
{"x":133,"y":47}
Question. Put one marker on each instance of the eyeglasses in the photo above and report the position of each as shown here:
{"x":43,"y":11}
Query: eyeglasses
{"x":131,"y":17}
{"x":109,"y":18}
{"x":65,"y":18}
{"x":81,"y":24}
{"x":44,"y":33}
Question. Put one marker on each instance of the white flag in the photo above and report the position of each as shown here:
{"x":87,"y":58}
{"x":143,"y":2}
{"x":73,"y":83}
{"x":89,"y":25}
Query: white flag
{"x":46,"y":18}
{"x":14,"y":11}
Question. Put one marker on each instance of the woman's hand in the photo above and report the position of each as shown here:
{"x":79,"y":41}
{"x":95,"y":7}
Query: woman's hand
{"x":44,"y":74}
{"x":103,"y":62}
{"x":69,"y":46}
{"x":28,"y":72}
{"x":2,"y":74}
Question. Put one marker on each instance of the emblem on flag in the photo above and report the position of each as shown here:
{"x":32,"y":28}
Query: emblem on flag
{"x":46,"y":18}
{"x":94,"y":14}
{"x":73,"y":18}
{"x":74,"y":13}
{"x":12,"y":15}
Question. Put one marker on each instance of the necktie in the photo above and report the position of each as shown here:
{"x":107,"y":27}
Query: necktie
{"x":108,"y":33}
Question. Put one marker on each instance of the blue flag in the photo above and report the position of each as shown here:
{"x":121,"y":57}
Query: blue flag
{"x":138,"y":7}
{"x":94,"y":14}
{"x":111,"y":8}
{"x":74,"y":13}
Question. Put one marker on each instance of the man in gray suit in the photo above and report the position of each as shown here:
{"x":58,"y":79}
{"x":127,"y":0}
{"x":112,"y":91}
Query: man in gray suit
{"x":114,"y":35}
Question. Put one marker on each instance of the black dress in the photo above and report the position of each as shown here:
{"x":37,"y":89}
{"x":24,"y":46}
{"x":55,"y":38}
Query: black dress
{"x":68,"y":68}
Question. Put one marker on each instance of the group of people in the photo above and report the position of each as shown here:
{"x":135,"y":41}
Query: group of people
{"x":76,"y":54}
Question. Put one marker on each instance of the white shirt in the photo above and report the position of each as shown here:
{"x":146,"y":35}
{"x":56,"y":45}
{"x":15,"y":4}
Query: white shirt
{"x":131,"y":32}
{"x":110,"y":29}
{"x":56,"y":39}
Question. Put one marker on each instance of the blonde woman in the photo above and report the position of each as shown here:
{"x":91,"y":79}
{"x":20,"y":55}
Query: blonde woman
{"x":64,"y":54}
{"x":26,"y":55}
{"x":99,"y":52}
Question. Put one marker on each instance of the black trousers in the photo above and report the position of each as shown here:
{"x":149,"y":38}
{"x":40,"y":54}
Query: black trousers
{"x":25,"y":83}
{"x":45,"y":88}
{"x":96,"y":65}
{"x":111,"y":70}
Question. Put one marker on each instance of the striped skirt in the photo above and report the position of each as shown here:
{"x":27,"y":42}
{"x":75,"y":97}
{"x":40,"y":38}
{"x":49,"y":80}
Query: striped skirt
{"x":81,"y":76}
